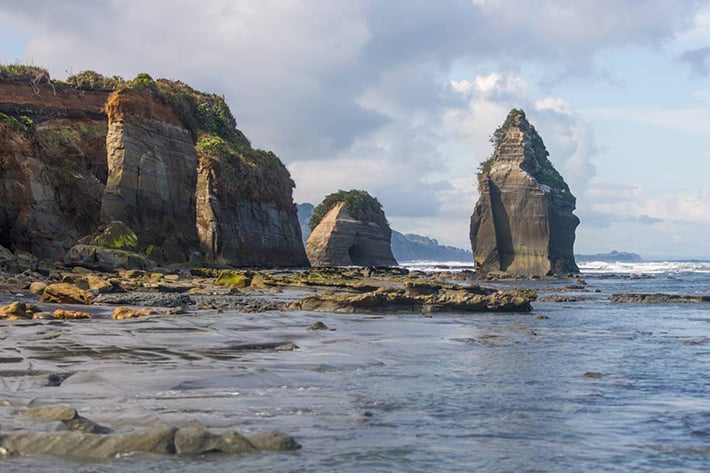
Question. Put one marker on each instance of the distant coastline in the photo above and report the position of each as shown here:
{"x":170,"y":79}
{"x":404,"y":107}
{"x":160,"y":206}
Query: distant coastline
{"x":611,"y":257}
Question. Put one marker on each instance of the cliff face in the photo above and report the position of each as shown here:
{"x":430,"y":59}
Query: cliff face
{"x":236,"y":230}
{"x":73,"y":161}
{"x":341,"y":240}
{"x":152,"y":175}
{"x":52,"y":166}
{"x":523,"y":223}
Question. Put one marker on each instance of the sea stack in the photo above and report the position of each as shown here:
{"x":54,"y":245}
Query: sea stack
{"x":522,"y":225}
{"x":349,"y":228}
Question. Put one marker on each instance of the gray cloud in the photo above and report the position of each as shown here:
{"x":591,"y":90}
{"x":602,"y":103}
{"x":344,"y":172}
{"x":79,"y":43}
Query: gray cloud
{"x":698,"y":60}
{"x":596,"y":219}
{"x":295,"y":72}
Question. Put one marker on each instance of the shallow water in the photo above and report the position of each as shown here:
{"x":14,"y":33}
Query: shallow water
{"x":595,"y":387}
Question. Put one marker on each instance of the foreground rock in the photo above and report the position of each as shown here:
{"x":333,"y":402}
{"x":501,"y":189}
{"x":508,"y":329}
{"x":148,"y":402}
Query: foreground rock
{"x":523,"y":223}
{"x":19,"y":311}
{"x":350,"y":229}
{"x":83,"y":439}
{"x":65,"y":293}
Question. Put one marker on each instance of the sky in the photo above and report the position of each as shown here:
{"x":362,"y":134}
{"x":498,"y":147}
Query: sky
{"x":400,"y":97}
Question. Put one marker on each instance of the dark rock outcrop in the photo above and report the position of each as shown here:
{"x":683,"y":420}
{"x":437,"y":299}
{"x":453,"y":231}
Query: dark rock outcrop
{"x":341,"y":239}
{"x":523,"y":223}
{"x":52,"y":166}
{"x":164,"y":159}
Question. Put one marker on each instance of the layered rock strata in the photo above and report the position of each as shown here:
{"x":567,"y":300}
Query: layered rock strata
{"x":152,"y":175}
{"x":73,"y":161}
{"x":341,"y":240}
{"x":523,"y":223}
{"x":52,"y":167}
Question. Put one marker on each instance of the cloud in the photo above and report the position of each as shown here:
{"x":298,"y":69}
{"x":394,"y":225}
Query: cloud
{"x":568,"y":137}
{"x":296,"y":71}
{"x":699,"y":61}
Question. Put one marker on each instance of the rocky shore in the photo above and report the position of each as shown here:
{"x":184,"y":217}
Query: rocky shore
{"x":44,"y":308}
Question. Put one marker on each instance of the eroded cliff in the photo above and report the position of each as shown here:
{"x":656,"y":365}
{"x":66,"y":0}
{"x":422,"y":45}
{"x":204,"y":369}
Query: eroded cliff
{"x":522,"y":224}
{"x":52,"y":166}
{"x":162,"y":158}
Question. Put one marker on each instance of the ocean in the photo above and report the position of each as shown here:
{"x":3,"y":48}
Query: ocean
{"x":584,"y":386}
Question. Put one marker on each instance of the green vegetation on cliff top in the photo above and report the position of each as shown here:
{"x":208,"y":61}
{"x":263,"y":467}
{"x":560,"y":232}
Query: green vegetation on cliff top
{"x":244,"y":172}
{"x":547,"y":174}
{"x":361,"y":206}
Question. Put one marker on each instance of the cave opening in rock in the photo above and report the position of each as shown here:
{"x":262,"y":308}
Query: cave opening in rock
{"x":357,"y":255}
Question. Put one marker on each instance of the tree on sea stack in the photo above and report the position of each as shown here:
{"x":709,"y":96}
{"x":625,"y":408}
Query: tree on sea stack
{"x":523,"y":223}
{"x":349,"y":228}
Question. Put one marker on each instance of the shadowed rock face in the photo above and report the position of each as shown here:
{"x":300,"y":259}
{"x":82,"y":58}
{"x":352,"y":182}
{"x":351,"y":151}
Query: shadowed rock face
{"x":340,"y":240}
{"x":52,"y":174}
{"x":235,"y":230}
{"x":523,"y":223}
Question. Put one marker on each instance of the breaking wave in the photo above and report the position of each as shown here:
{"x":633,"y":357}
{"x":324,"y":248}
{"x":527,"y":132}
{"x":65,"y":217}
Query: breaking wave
{"x":645,"y":267}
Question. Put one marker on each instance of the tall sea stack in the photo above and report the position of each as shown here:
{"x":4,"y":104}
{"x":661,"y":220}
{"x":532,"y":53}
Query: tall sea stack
{"x":523,"y":223}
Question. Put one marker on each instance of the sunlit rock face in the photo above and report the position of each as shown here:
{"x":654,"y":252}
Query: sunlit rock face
{"x":522,"y":224}
{"x":341,"y":240}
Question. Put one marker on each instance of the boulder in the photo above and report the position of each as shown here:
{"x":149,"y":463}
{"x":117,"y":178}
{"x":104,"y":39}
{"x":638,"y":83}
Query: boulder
{"x":232,"y":279}
{"x":70,"y":314}
{"x":82,"y":439}
{"x":19,"y":311}
{"x":87,"y":446}
{"x":198,"y":441}
{"x":347,"y":236}
{"x":37,"y":287}
{"x":6,"y":256}
{"x":522,"y":224}
{"x":121,"y":313}
{"x":273,"y":441}
{"x":65,"y":293}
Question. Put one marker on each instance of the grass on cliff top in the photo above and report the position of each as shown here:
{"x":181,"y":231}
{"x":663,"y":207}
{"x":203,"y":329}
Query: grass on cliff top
{"x":246,"y":173}
{"x":547,"y":175}
{"x":361,"y":206}
{"x":85,"y":80}
{"x":22,"y":72}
